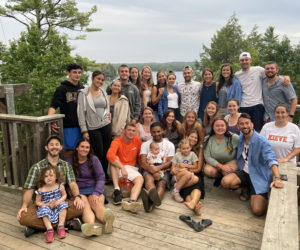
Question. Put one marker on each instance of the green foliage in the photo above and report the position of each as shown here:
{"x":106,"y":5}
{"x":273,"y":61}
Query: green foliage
{"x":174,"y":66}
{"x":48,"y":15}
{"x":228,"y":42}
{"x":39,"y":62}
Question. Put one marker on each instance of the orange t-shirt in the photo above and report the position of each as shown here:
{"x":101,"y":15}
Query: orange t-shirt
{"x":127,"y":153}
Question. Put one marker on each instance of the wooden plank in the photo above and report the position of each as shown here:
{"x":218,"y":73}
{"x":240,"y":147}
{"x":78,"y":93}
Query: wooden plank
{"x":28,"y":146}
{"x":6,"y":143}
{"x":37,"y":142}
{"x":31,"y":119}
{"x":13,"y":155}
{"x":22,"y":156}
{"x":281,"y":227}
{"x":15,"y":243}
{"x":2,"y":179}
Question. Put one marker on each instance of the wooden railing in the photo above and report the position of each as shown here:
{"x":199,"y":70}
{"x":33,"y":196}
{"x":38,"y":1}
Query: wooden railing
{"x":22,"y":141}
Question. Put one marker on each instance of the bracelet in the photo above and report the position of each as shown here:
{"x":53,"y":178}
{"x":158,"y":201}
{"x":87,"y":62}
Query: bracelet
{"x":276,"y":178}
{"x":78,"y":195}
{"x":292,"y":116}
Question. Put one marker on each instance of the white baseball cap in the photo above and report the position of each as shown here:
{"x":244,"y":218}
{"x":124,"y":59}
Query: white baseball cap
{"x":245,"y":54}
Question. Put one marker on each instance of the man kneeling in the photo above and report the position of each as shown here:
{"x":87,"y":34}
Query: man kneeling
{"x":256,"y":163}
{"x":122,"y":155}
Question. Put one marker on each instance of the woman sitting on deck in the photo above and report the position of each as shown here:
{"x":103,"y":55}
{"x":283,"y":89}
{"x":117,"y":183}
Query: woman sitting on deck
{"x":90,"y":179}
{"x":283,"y":135}
{"x":192,"y":194}
{"x":220,"y":149}
{"x":143,"y":127}
{"x":172,"y":128}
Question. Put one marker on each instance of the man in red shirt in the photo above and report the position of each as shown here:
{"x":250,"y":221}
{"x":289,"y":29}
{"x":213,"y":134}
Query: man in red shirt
{"x":122,"y":155}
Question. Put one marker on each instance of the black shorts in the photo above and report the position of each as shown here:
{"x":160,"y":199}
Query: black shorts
{"x":246,"y":182}
{"x":199,"y":185}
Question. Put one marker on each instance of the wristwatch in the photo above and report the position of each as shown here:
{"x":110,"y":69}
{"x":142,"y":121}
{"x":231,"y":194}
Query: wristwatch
{"x":78,"y":195}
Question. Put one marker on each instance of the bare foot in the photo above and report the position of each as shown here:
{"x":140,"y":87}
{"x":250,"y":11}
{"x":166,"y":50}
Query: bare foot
{"x":190,"y":204}
{"x":197,"y":208}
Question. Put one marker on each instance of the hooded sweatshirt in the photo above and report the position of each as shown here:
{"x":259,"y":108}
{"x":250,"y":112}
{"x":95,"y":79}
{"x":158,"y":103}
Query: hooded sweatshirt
{"x":65,"y":97}
{"x":88,"y":117}
{"x":121,"y":115}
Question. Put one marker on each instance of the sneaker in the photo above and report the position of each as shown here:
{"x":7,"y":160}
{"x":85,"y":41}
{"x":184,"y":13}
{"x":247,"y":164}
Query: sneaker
{"x":132,"y":206}
{"x":74,"y":224}
{"x":109,"y":221}
{"x":29,"y":231}
{"x":89,"y":229}
{"x":49,"y":235}
{"x":177,"y":197}
{"x":61,"y":232}
{"x":117,"y":197}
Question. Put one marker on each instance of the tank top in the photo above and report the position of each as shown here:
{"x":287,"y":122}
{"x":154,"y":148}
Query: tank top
{"x":144,"y":135}
{"x":207,"y":95}
{"x":173,"y":137}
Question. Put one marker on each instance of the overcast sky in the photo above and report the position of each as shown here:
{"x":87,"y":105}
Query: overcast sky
{"x":140,"y":31}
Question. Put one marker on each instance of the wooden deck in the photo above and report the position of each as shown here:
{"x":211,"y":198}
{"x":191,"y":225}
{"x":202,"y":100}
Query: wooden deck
{"x":234,"y":227}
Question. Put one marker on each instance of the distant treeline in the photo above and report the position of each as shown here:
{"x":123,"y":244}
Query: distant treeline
{"x":174,"y":66}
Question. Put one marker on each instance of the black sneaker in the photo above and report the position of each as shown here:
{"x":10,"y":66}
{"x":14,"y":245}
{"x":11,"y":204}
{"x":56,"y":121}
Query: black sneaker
{"x":117,"y":197}
{"x":29,"y":231}
{"x":74,"y":224}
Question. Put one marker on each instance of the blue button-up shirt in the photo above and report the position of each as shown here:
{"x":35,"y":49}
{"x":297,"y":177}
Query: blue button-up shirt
{"x":260,"y":160}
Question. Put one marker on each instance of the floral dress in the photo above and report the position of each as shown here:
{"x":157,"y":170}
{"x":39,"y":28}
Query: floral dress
{"x":49,"y":197}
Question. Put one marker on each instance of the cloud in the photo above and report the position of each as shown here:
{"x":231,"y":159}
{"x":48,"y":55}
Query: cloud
{"x":170,"y":30}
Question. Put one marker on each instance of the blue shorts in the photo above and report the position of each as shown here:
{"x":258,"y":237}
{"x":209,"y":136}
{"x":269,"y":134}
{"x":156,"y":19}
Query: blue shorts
{"x":71,"y":137}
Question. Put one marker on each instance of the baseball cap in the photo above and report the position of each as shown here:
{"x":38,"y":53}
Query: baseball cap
{"x":245,"y":54}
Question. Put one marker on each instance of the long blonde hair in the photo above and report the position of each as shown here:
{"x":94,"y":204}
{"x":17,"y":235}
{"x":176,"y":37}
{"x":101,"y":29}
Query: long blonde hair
{"x":207,"y":121}
{"x":184,"y":124}
{"x":150,"y":80}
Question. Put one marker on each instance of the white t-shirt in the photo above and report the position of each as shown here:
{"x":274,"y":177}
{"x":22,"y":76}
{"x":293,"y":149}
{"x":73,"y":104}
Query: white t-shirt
{"x":251,"y":82}
{"x":245,"y":157}
{"x":172,"y":100}
{"x":166,"y":148}
{"x":283,"y":140}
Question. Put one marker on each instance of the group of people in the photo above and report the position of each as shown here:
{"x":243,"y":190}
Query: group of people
{"x":159,"y":136}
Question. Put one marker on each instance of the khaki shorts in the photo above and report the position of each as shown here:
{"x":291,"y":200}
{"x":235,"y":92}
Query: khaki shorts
{"x":133,"y":172}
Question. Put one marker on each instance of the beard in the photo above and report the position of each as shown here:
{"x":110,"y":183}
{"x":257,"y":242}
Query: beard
{"x":271,"y":75}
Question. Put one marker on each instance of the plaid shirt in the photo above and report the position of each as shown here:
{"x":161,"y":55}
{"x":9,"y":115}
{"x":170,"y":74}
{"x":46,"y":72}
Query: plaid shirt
{"x":34,"y":172}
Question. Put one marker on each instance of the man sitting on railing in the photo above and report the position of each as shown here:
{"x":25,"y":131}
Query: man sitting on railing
{"x":256,"y":163}
{"x":76,"y":205}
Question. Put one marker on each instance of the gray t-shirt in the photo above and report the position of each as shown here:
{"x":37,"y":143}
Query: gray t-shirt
{"x":251,"y":82}
{"x":100,"y":105}
{"x":275,"y":94}
{"x":189,"y":159}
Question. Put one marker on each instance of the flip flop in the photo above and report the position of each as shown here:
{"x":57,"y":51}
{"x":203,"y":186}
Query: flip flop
{"x":201,"y":225}
{"x":153,"y":195}
{"x":146,"y":200}
{"x":188,"y":220}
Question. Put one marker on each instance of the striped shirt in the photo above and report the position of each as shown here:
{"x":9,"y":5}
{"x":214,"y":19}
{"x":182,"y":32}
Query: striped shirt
{"x":64,"y":167}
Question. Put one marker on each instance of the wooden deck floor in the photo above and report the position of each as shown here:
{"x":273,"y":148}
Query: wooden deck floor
{"x":234,"y":227}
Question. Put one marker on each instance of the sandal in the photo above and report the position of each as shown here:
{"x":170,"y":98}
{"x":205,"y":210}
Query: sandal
{"x":188,"y":220}
{"x":244,"y":196}
{"x":153,"y":195}
{"x":147,"y":202}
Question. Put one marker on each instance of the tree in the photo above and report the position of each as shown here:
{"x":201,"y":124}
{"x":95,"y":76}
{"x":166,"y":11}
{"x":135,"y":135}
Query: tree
{"x":228,"y":42}
{"x":40,"y":63}
{"x":41,"y":54}
{"x":225,"y":45}
{"x":48,"y":15}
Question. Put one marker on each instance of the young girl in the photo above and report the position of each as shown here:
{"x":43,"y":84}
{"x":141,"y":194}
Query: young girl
{"x":232,"y":118}
{"x":182,"y":163}
{"x":156,"y":158}
{"x":50,"y":199}
{"x":210,"y":113}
